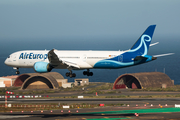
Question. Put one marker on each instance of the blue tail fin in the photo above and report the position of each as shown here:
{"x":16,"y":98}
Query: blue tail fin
{"x":142,"y":45}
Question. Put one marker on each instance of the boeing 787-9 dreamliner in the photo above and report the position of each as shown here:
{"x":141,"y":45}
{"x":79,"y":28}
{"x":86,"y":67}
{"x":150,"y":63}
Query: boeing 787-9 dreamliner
{"x":45,"y":60}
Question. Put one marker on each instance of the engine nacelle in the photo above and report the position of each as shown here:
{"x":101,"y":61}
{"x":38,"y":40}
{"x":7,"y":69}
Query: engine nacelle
{"x":42,"y":67}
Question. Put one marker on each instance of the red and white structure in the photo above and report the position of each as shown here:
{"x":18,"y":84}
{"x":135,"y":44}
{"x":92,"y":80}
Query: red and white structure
{"x":7,"y":92}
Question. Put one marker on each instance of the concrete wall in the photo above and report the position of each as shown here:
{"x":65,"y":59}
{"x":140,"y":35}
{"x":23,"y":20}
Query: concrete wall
{"x":62,"y":80}
{"x":81,"y":82}
{"x":66,"y":85}
{"x":6,"y":82}
{"x":2,"y":84}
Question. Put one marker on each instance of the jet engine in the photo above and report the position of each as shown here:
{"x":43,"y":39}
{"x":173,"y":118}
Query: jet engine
{"x":42,"y":67}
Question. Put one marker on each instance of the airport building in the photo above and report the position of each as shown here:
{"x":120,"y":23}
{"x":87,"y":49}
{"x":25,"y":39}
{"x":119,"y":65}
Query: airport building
{"x":54,"y":80}
{"x":51,"y":80}
{"x":143,"y":80}
{"x":81,"y":82}
{"x":7,"y":81}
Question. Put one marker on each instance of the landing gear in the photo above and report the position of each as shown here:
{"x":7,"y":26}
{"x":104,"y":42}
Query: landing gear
{"x":70,"y":74}
{"x":88,"y":73}
{"x":17,"y":70}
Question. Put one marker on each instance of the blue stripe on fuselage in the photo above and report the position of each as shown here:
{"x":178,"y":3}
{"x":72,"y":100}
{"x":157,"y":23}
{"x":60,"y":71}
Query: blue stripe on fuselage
{"x":127,"y":61}
{"x":111,"y":64}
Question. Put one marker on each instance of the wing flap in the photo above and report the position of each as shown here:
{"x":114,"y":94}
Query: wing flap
{"x":70,"y":64}
{"x":55,"y":61}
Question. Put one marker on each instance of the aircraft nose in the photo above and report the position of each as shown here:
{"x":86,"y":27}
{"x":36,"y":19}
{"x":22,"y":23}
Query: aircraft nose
{"x":6,"y":61}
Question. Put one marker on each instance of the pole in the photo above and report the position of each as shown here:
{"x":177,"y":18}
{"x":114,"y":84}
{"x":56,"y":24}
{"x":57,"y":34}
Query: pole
{"x":6,"y":100}
{"x":7,"y":92}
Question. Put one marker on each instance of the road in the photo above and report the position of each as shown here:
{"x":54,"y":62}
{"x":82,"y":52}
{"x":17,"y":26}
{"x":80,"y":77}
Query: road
{"x":110,"y":113}
{"x":171,"y":101}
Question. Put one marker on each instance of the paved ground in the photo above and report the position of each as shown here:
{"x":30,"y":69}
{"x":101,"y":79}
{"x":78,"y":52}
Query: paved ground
{"x":106,"y":113}
{"x":132,"y":102}
{"x":119,"y":92}
{"x":122,"y":92}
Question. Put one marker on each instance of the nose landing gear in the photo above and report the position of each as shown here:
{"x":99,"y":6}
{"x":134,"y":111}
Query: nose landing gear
{"x":17,"y":70}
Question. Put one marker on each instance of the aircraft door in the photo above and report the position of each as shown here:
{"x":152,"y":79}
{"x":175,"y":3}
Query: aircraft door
{"x":120,"y":58}
{"x":84,"y":57}
{"x":14,"y":57}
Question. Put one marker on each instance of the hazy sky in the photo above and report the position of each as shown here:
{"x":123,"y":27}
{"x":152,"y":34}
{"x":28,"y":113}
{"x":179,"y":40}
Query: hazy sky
{"x":91,"y":25}
{"x":45,"y":20}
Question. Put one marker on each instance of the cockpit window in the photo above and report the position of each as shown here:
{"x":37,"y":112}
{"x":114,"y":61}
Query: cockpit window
{"x":8,"y":56}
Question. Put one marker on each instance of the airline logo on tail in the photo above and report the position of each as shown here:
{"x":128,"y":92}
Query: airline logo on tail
{"x":145,"y":39}
{"x":141,"y":47}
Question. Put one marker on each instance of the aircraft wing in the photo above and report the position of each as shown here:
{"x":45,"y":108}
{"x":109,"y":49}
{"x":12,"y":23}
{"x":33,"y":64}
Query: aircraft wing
{"x":55,"y":61}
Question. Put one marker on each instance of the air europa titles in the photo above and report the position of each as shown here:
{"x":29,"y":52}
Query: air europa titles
{"x":32,"y":56}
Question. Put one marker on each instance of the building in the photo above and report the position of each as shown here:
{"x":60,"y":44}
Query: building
{"x":7,"y":81}
{"x":50,"y":80}
{"x":81,"y":82}
{"x":143,"y":80}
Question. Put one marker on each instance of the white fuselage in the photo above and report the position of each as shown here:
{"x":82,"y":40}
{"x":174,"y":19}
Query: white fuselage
{"x":44,"y":60}
{"x":83,"y":59}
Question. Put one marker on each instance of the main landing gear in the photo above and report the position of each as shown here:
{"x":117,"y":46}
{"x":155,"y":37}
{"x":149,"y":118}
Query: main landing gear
{"x":17,"y":70}
{"x":70,"y":74}
{"x":88,"y":73}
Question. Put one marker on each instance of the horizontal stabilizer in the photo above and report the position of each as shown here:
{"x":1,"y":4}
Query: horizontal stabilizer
{"x":139,"y":58}
{"x":154,"y":44}
{"x":163,"y":55}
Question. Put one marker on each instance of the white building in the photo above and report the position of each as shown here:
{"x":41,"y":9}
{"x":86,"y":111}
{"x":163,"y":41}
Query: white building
{"x":7,"y":81}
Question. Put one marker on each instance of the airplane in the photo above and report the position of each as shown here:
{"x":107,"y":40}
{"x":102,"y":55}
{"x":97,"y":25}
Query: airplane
{"x":45,"y":60}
